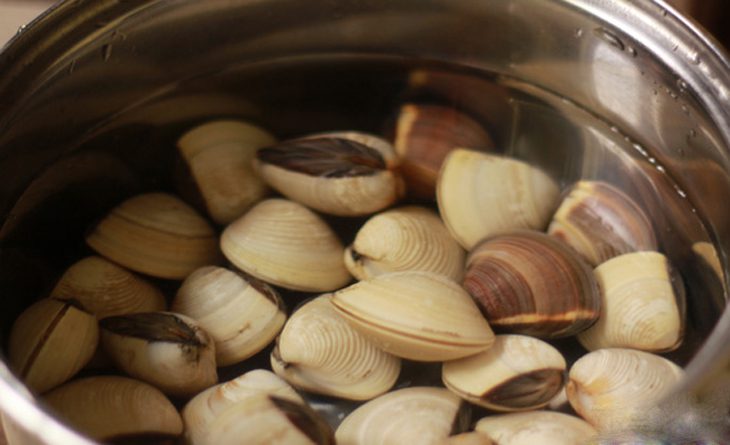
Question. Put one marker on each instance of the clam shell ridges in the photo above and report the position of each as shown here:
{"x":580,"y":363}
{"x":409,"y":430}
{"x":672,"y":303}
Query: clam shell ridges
{"x":536,"y":427}
{"x":324,"y":354}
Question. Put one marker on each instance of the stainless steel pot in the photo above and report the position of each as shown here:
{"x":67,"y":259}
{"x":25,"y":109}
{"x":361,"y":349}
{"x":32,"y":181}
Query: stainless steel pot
{"x":627,"y":91}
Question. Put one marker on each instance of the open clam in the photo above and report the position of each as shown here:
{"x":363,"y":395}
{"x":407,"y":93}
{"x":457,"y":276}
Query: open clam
{"x":319,"y":351}
{"x":286,"y":244}
{"x":406,"y":238}
{"x":415,"y":315}
{"x":241,"y":313}
{"x":536,"y":427}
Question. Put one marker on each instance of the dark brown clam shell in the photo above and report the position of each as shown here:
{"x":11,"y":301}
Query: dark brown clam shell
{"x":527,"y":282}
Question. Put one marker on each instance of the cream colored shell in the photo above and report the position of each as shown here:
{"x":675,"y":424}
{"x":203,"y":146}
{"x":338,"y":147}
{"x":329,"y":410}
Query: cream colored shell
{"x":407,"y":238}
{"x":50,"y":342}
{"x":481,"y":195}
{"x":536,"y":427}
{"x":612,"y":388}
{"x":416,"y":315}
{"x":105,"y":289}
{"x":286,"y":244}
{"x":220,"y":156}
{"x":156,"y":234}
{"x":205,"y":407}
{"x":242,"y":318}
{"x":642,"y":305}
{"x":415,"y":415}
{"x":470,"y":438}
{"x":105,"y":407}
{"x":318,"y":351}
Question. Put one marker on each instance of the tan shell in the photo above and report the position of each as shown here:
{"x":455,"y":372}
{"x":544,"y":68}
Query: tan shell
{"x":600,"y":222}
{"x":346,"y":173}
{"x":167,"y":350}
{"x":318,"y":351}
{"x":612,"y":388}
{"x":204,"y":408}
{"x":50,"y":342}
{"x":471,"y":438}
{"x":220,"y":156}
{"x":156,"y":234}
{"x":481,"y":195}
{"x":407,"y":238}
{"x":105,"y":289}
{"x":264,"y":419}
{"x":643,"y":304}
{"x":242,"y":314}
{"x":415,"y":315}
{"x":415,"y":415}
{"x":108,"y":407}
{"x":536,"y":427}
{"x":517,"y":373}
{"x":286,"y":244}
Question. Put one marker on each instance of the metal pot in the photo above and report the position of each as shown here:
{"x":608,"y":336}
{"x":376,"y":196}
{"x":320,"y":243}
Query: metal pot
{"x":94,"y":91}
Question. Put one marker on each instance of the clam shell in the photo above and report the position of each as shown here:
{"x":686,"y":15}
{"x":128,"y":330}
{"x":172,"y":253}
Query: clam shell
{"x":481,"y":195}
{"x":517,"y":373}
{"x":50,"y":342}
{"x":643,"y":304}
{"x":155,"y":234}
{"x":529,"y":283}
{"x":415,"y":315}
{"x":318,"y":351}
{"x":167,"y":350}
{"x":415,"y":415}
{"x":108,"y":407}
{"x":612,"y":388}
{"x":204,"y":408}
{"x":407,"y":238}
{"x":536,"y":427}
{"x":220,"y":155}
{"x":286,"y":244}
{"x":600,"y":222}
{"x":470,"y":438}
{"x":342,"y":174}
{"x":242,"y":314}
{"x":105,"y":289}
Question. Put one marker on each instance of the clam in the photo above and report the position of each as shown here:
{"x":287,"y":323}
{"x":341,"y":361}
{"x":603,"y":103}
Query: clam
{"x":643,"y":304}
{"x":205,"y":407}
{"x":265,"y":419}
{"x":156,"y":234}
{"x":286,"y":244}
{"x":108,"y":408}
{"x":105,"y":289}
{"x":167,"y":350}
{"x":600,"y":222}
{"x":318,"y":351}
{"x":470,"y":438}
{"x":415,"y":315}
{"x":529,"y":283}
{"x":219,"y":155}
{"x":533,"y":427}
{"x":241,"y":313}
{"x":345,"y":173}
{"x":407,"y":238}
{"x":416,"y":415}
{"x":425,"y":134}
{"x":480,"y":195}
{"x":612,"y":388}
{"x":517,"y":373}
{"x":50,"y":342}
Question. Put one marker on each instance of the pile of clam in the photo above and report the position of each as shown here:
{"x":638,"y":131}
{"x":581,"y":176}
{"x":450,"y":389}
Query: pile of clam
{"x":503,"y":250}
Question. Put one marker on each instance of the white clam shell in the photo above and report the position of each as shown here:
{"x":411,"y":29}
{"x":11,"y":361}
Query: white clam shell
{"x":536,"y":427}
{"x":481,"y":195}
{"x":286,"y":244}
{"x":319,"y":351}
{"x":470,"y":438}
{"x":415,"y":415}
{"x":242,"y":316}
{"x":406,"y":238}
{"x":612,"y":388}
{"x":416,"y":315}
{"x":642,"y":303}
